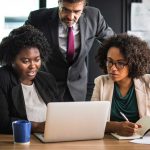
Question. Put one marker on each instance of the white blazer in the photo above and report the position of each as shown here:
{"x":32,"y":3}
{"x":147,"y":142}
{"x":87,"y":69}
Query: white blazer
{"x":104,"y":87}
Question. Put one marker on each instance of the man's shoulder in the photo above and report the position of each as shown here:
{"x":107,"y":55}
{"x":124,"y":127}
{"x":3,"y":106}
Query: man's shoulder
{"x":92,"y":13}
{"x":44,"y":11}
{"x":42,"y":15}
{"x":90,"y":9}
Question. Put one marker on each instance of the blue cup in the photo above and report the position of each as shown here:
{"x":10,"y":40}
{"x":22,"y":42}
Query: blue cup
{"x":21,"y":131}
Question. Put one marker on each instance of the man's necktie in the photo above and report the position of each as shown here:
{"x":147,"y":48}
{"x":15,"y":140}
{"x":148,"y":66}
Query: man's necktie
{"x":70,"y":45}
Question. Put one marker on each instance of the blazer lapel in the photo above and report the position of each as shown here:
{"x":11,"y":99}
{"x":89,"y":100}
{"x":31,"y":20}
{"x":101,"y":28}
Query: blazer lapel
{"x":18,"y":100}
{"x":109,"y":86}
{"x":140,"y":91}
{"x":53,"y":29}
{"x":53,"y":25}
{"x":42,"y":91}
{"x":83,"y":26}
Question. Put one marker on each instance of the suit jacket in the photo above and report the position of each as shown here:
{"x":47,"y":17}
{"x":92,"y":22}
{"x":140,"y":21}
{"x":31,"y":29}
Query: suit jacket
{"x":12,"y":104}
{"x":92,"y":25}
{"x":104,"y":87}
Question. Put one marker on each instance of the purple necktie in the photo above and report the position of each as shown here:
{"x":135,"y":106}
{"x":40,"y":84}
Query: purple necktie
{"x":70,"y":45}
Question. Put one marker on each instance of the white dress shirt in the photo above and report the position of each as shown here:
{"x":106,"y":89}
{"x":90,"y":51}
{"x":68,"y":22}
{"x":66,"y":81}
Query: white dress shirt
{"x":63,"y":31}
{"x":35,"y":106}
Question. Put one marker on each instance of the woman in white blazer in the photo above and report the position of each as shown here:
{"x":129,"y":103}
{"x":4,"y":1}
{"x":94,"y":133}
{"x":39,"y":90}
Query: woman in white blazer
{"x":126,"y":60}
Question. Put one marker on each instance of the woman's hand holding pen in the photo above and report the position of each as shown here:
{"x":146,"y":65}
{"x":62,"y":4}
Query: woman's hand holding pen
{"x":127,"y":128}
{"x":124,"y":128}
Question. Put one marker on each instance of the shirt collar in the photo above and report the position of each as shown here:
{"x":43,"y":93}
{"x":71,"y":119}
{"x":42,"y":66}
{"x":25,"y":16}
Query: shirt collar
{"x":75,"y":25}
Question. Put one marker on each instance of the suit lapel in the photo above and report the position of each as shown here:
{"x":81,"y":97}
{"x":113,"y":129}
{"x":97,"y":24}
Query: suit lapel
{"x":42,"y":91}
{"x":83,"y":26}
{"x":18,"y":100}
{"x":109,"y":86}
{"x":53,"y":29}
{"x":53,"y":25}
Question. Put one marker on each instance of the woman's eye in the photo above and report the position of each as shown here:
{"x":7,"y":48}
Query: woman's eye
{"x":37,"y":60}
{"x":121,"y":63}
{"x":25,"y":61}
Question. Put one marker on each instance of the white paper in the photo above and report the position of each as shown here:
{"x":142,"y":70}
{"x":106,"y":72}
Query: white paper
{"x":145,"y":127}
{"x":119,"y":137}
{"x":144,"y":140}
{"x":140,"y":16}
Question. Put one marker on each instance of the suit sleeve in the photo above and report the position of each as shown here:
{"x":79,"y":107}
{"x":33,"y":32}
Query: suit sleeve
{"x":5,"y":125}
{"x":37,"y":18}
{"x":103,"y":30}
{"x":6,"y":114}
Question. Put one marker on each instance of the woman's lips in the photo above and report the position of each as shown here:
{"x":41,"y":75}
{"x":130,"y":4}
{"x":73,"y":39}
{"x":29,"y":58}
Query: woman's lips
{"x":31,"y":73}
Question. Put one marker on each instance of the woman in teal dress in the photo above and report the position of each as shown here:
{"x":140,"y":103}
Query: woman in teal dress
{"x":126,"y":61}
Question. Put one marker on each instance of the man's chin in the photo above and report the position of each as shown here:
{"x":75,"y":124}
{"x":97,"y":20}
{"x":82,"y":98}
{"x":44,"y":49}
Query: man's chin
{"x":69,"y":24}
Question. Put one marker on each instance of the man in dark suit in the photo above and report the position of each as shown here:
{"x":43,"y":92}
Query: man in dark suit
{"x":88,"y":24}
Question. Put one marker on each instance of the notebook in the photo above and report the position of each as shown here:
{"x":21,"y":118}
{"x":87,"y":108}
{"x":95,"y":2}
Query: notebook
{"x":71,"y":121}
{"x":144,"y":122}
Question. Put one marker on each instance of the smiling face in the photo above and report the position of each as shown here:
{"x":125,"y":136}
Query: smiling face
{"x":70,"y":13}
{"x":27,"y":64}
{"x":114,"y":60}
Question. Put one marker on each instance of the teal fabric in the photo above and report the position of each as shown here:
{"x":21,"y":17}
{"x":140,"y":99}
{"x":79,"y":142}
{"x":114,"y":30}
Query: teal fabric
{"x":126,"y":104}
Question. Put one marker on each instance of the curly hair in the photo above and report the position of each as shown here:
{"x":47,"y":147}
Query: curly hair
{"x":24,"y":37}
{"x":132,"y":48}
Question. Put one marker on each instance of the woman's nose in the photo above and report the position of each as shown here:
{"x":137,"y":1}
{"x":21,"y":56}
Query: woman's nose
{"x":32,"y":65}
{"x":113,"y":67}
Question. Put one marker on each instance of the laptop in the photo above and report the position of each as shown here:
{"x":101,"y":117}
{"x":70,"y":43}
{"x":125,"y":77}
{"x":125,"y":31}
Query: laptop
{"x":72,"y":121}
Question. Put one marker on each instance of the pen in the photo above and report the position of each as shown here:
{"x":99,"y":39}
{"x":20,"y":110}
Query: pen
{"x":123,"y":115}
